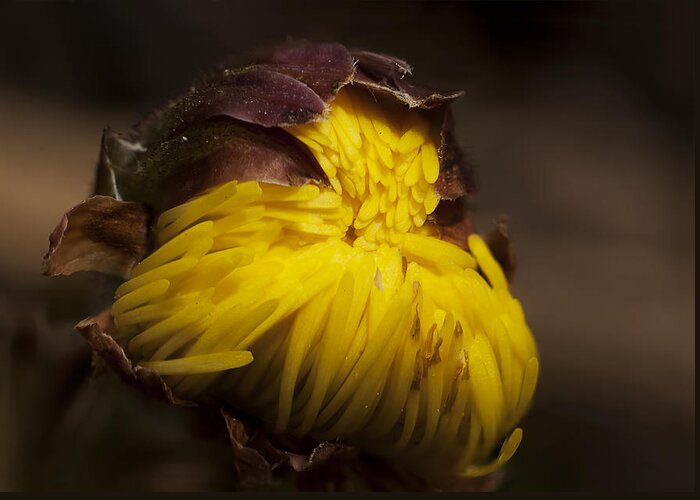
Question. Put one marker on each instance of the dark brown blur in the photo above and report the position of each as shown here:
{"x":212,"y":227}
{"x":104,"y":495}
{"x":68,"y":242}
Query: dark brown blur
{"x":579,"y":118}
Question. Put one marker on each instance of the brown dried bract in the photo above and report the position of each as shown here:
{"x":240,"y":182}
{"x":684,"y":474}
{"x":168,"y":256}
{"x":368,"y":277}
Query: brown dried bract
{"x":98,"y":330}
{"x":256,"y":457}
{"x":101,"y":234}
{"x":327,"y":467}
{"x":254,"y":471}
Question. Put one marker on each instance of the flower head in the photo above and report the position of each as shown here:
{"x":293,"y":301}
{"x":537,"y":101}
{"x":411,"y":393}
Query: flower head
{"x":311,"y":262}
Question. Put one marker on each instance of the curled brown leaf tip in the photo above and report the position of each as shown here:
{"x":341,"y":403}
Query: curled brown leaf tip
{"x":101,"y":234}
{"x":98,"y":331}
{"x":385,"y":74}
{"x":254,"y":471}
{"x":256,"y":456}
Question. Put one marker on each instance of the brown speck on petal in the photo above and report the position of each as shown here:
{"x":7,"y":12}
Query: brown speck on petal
{"x":101,"y":234}
{"x":98,"y":331}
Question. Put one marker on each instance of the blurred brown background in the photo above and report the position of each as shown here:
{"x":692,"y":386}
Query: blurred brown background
{"x":579,"y":117}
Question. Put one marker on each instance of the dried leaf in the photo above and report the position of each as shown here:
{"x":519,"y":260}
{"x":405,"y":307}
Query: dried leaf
{"x":100,"y":234}
{"x":256,"y":456}
{"x":254,"y":471}
{"x":98,"y":330}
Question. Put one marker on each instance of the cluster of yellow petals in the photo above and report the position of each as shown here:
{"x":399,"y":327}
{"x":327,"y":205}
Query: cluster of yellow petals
{"x":343,"y":314}
{"x":382,"y":160}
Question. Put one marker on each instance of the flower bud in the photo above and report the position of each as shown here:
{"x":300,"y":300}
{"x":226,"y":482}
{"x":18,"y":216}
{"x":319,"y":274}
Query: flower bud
{"x":296,"y":242}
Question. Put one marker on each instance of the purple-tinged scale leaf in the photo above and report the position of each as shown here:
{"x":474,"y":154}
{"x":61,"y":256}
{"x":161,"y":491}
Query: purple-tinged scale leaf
{"x":260,"y":96}
{"x":323,"y":67}
{"x":217,"y":151}
{"x":253,"y":95}
{"x":385,"y":74}
{"x":381,"y":66}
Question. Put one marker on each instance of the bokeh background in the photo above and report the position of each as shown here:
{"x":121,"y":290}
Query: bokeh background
{"x":579,"y":117}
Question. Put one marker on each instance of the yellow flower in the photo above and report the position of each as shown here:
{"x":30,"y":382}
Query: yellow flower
{"x":334,"y":309}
